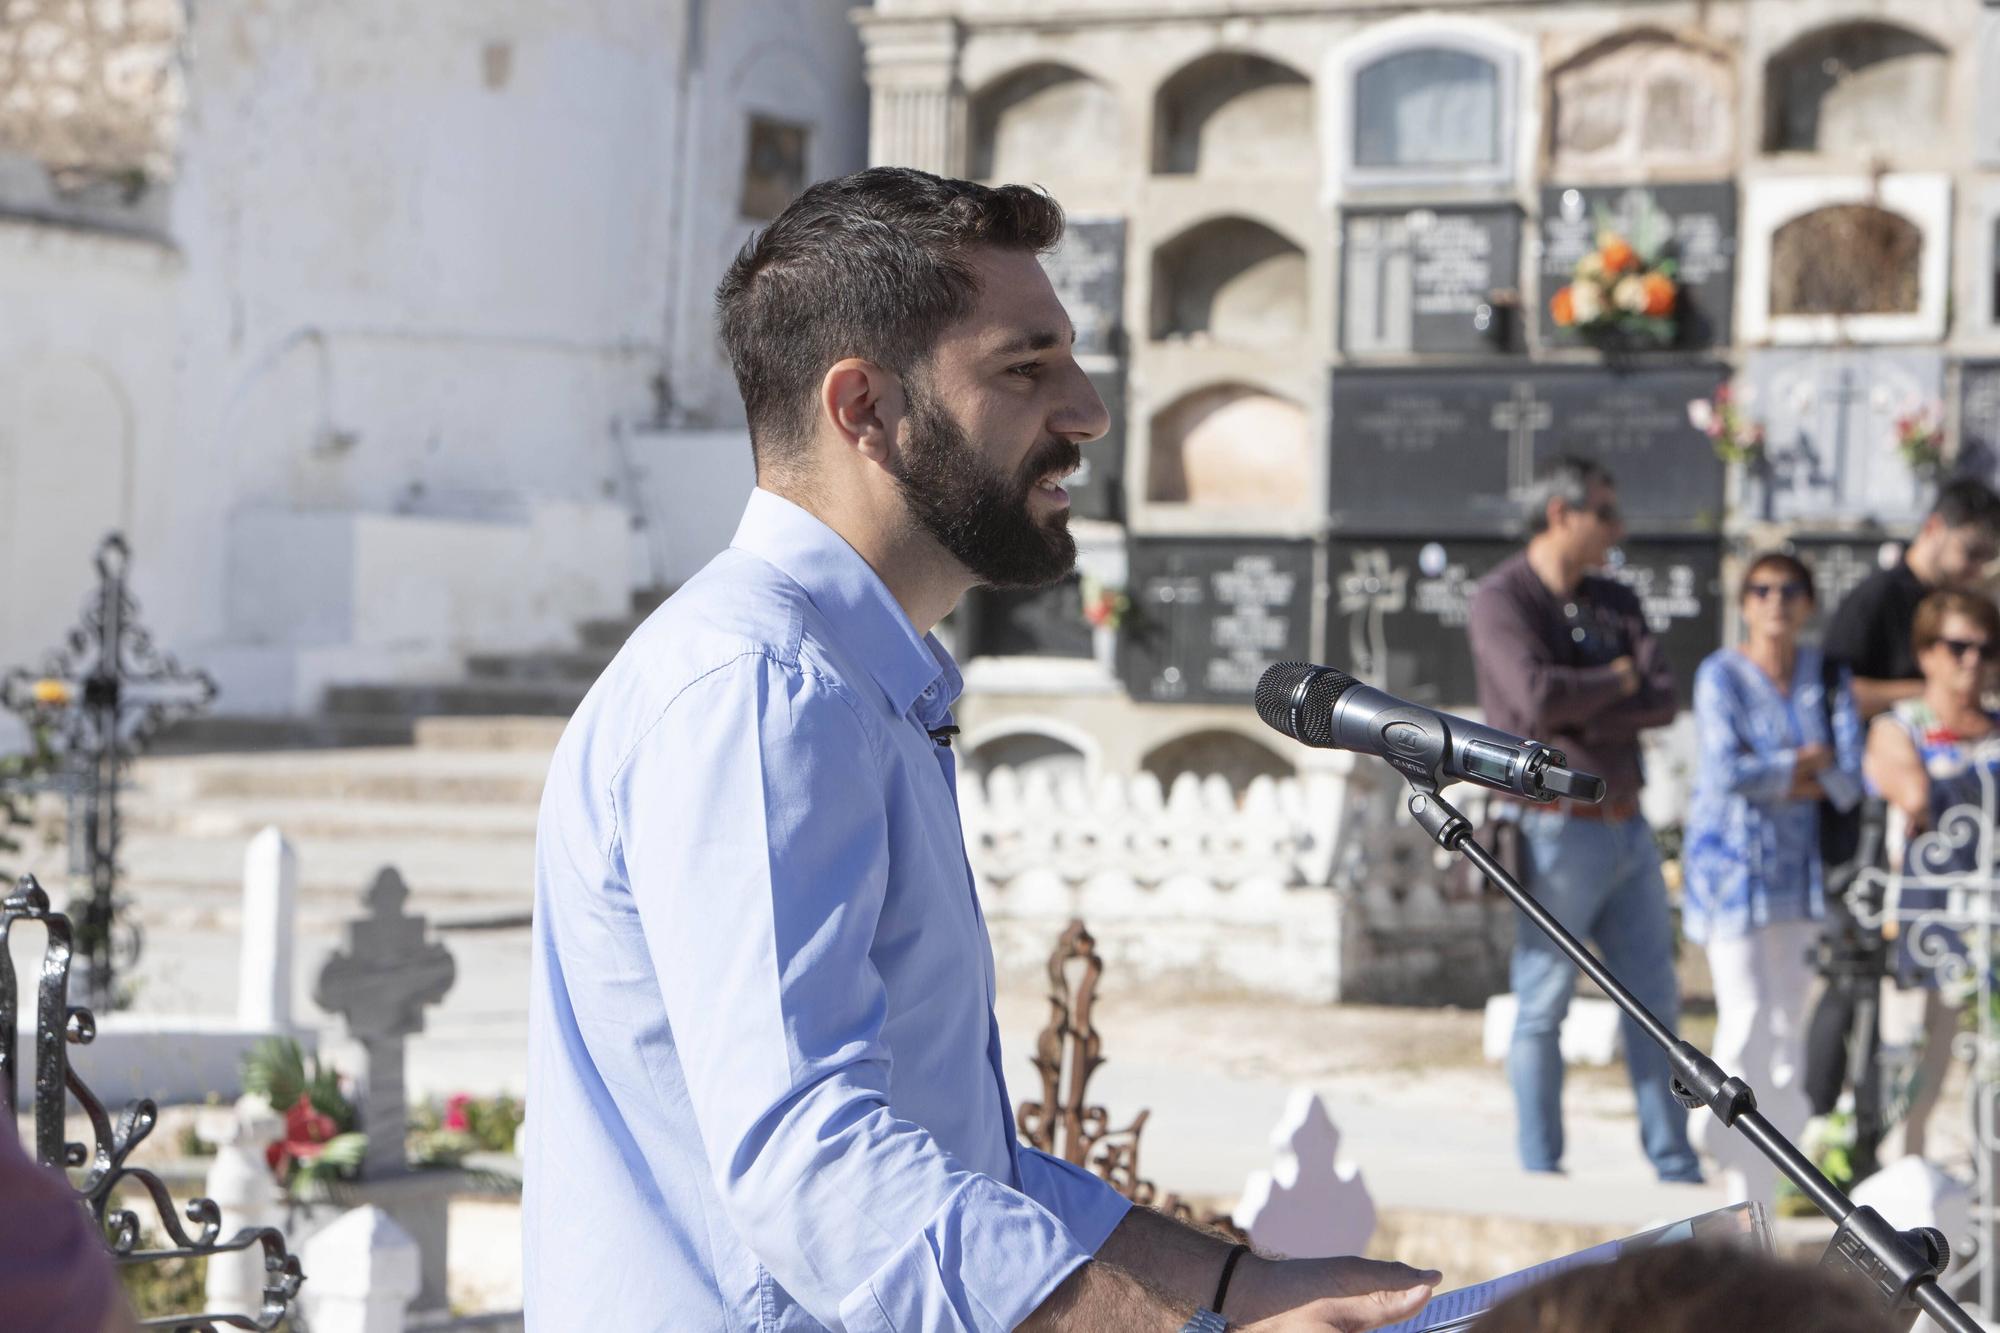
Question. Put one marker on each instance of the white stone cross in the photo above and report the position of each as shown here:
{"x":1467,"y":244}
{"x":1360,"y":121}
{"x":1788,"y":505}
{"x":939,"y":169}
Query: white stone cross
{"x":1522,"y":416}
{"x":380,"y":983}
{"x":1310,"y":1205}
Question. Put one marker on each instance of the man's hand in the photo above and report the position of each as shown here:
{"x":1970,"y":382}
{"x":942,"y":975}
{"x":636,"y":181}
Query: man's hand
{"x":1809,"y":761}
{"x":1344,"y":1295}
{"x":1629,"y":679}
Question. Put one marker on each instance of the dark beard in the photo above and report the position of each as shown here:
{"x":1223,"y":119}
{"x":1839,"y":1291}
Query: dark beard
{"x":977,"y":513}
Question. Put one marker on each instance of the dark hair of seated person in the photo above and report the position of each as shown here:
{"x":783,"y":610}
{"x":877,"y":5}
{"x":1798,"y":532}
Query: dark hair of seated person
{"x":1691,"y":1288}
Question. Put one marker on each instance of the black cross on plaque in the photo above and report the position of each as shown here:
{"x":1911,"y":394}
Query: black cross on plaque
{"x":1522,"y":416}
{"x":380,"y":984}
{"x":102,"y":697}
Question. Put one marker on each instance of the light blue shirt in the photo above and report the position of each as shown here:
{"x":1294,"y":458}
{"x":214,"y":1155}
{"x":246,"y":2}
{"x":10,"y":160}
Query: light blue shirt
{"x":1751,"y":854}
{"x":764,"y":1073}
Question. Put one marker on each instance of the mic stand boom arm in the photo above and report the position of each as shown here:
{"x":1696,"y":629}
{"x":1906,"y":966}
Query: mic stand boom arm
{"x":1902,"y":1266}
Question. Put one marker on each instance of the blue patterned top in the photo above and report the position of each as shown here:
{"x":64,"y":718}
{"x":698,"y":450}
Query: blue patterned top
{"x":1751,"y":857}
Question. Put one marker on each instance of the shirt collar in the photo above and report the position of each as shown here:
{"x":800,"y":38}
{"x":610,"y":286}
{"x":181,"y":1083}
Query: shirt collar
{"x":908,"y":667}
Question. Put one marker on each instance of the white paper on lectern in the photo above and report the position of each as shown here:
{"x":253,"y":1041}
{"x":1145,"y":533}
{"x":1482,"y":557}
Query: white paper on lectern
{"x":1451,"y":1311}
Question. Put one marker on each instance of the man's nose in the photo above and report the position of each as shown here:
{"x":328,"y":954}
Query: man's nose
{"x":1082,"y":416}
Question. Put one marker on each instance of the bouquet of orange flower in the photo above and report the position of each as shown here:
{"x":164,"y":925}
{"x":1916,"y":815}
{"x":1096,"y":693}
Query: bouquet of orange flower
{"x":1104,"y":607}
{"x":1616,"y":288}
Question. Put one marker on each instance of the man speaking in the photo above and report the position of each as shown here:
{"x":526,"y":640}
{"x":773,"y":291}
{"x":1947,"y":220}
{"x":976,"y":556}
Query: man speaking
{"x":764,"y":1072}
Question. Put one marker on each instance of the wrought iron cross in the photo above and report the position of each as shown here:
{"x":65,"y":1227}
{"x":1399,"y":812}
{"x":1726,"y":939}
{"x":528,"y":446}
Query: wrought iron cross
{"x":103,"y":695}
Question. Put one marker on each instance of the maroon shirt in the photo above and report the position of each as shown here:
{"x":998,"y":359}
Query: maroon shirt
{"x":55,"y":1276}
{"x":1544,"y":669}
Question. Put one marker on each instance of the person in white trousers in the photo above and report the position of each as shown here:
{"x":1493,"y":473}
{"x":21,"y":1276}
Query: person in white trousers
{"x":1778,"y":735}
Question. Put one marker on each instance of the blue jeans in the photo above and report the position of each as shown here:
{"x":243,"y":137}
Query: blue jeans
{"x":1602,"y":882}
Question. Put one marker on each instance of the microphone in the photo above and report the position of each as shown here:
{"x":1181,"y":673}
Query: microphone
{"x":1331,"y":710}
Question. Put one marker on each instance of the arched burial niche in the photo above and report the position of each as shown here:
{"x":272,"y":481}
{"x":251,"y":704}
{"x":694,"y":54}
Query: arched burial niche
{"x":1233,"y":114}
{"x":1028,"y":752}
{"x":1235,"y":756}
{"x":1231,"y":445}
{"x":1235,"y":280}
{"x":1640,"y":99}
{"x":1856,"y":89}
{"x":1043,"y":121}
{"x":1847,"y":259}
{"x":1427,"y":107}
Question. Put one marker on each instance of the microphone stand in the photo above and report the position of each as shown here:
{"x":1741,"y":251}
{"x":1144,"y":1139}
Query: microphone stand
{"x":1901,"y":1266}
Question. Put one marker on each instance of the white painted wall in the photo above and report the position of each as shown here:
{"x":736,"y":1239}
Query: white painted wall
{"x":432,"y":276}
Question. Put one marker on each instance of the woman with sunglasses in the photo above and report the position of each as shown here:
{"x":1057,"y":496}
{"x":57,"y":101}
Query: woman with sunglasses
{"x":1926,"y":755}
{"x":1778,"y":733}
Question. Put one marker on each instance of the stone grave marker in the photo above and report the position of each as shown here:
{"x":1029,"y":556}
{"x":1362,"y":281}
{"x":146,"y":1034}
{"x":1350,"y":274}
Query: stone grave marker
{"x":380,"y":983}
{"x":1979,"y":420}
{"x":1027,"y":622}
{"x":1310,"y":1204}
{"x":1209,"y":614}
{"x":1443,"y":280}
{"x":1829,"y":419}
{"x":1698,"y":222}
{"x":1088,"y":272}
{"x":1452,"y":451}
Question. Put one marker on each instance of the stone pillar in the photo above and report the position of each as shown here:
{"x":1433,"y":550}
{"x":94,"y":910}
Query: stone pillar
{"x":916,"y":105}
{"x":270,"y":896}
{"x":240,"y":1182}
{"x":362,"y":1273}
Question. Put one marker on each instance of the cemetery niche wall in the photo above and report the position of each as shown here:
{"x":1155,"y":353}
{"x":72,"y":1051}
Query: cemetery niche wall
{"x":1845,"y":259}
{"x":1230,"y":280}
{"x":1397,"y":606}
{"x":1979,"y":421}
{"x":1430,"y":280}
{"x":1694,"y":224}
{"x":1026,"y":622}
{"x":1231,"y":446}
{"x":1232,"y":113}
{"x":1209,"y":614}
{"x":1641,"y":100}
{"x":1862,"y":89}
{"x":1830,"y":422}
{"x":1452,"y":451}
{"x":1088,"y":273}
{"x":1423,"y":102}
{"x":1045,"y":120}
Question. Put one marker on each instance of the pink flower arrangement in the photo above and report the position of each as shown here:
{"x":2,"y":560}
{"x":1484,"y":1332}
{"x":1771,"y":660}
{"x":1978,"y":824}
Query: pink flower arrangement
{"x":1920,"y":439}
{"x":1730,"y":431}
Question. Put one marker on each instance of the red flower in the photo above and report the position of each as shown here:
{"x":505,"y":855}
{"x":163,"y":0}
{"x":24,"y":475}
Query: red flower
{"x":306,"y":1133}
{"x":454,"y":1113}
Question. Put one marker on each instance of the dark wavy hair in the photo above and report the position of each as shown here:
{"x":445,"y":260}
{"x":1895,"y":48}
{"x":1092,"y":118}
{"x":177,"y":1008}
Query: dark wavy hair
{"x":871,"y":265}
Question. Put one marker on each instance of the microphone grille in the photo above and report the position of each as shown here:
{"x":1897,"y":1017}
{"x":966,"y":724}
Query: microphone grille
{"x":1278,"y":685}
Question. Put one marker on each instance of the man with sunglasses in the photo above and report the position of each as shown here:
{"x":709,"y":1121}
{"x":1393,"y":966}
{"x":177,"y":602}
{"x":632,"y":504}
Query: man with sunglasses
{"x":1564,"y":655}
{"x":1870,"y":635}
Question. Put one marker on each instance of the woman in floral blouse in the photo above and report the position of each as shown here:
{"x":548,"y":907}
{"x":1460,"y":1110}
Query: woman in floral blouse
{"x":1772,"y":746}
{"x":1926,"y":756}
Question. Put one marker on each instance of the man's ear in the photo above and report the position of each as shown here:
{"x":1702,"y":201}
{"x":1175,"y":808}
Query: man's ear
{"x":864,"y":404}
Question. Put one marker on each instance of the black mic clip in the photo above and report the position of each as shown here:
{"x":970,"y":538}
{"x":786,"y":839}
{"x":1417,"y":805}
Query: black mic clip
{"x":942,"y":735}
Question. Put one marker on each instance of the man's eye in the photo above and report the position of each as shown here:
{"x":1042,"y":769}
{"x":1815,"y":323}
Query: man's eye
{"x":1027,"y":369}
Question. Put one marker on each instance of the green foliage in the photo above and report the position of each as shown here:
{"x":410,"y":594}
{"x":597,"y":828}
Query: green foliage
{"x":22,"y":776}
{"x":276,"y":1070}
{"x":338,"y":1159}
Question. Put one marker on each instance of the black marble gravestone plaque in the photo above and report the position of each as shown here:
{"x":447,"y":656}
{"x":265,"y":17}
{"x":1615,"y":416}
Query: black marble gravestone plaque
{"x":1431,"y":280}
{"x":1088,"y":272}
{"x":1839,"y":562}
{"x":1396,"y":609}
{"x":1979,"y":420}
{"x":1454,"y":450}
{"x":1698,"y":222}
{"x":1210,"y":613}
{"x":1030,"y":622}
{"x":1097,"y":489}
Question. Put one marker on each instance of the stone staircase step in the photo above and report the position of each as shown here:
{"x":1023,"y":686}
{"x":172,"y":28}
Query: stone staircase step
{"x":400,"y":775}
{"x":490,"y":734}
{"x":496,"y":870}
{"x":240,"y":732}
{"x":242,"y":819}
{"x":566,"y":668}
{"x":542,"y":699}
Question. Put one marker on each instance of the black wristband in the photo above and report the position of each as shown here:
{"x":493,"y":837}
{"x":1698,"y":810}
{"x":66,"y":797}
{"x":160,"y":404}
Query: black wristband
{"x":1222,"y":1283}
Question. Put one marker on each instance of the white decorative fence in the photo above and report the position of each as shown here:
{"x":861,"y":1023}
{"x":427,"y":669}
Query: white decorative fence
{"x":1319,"y":887}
